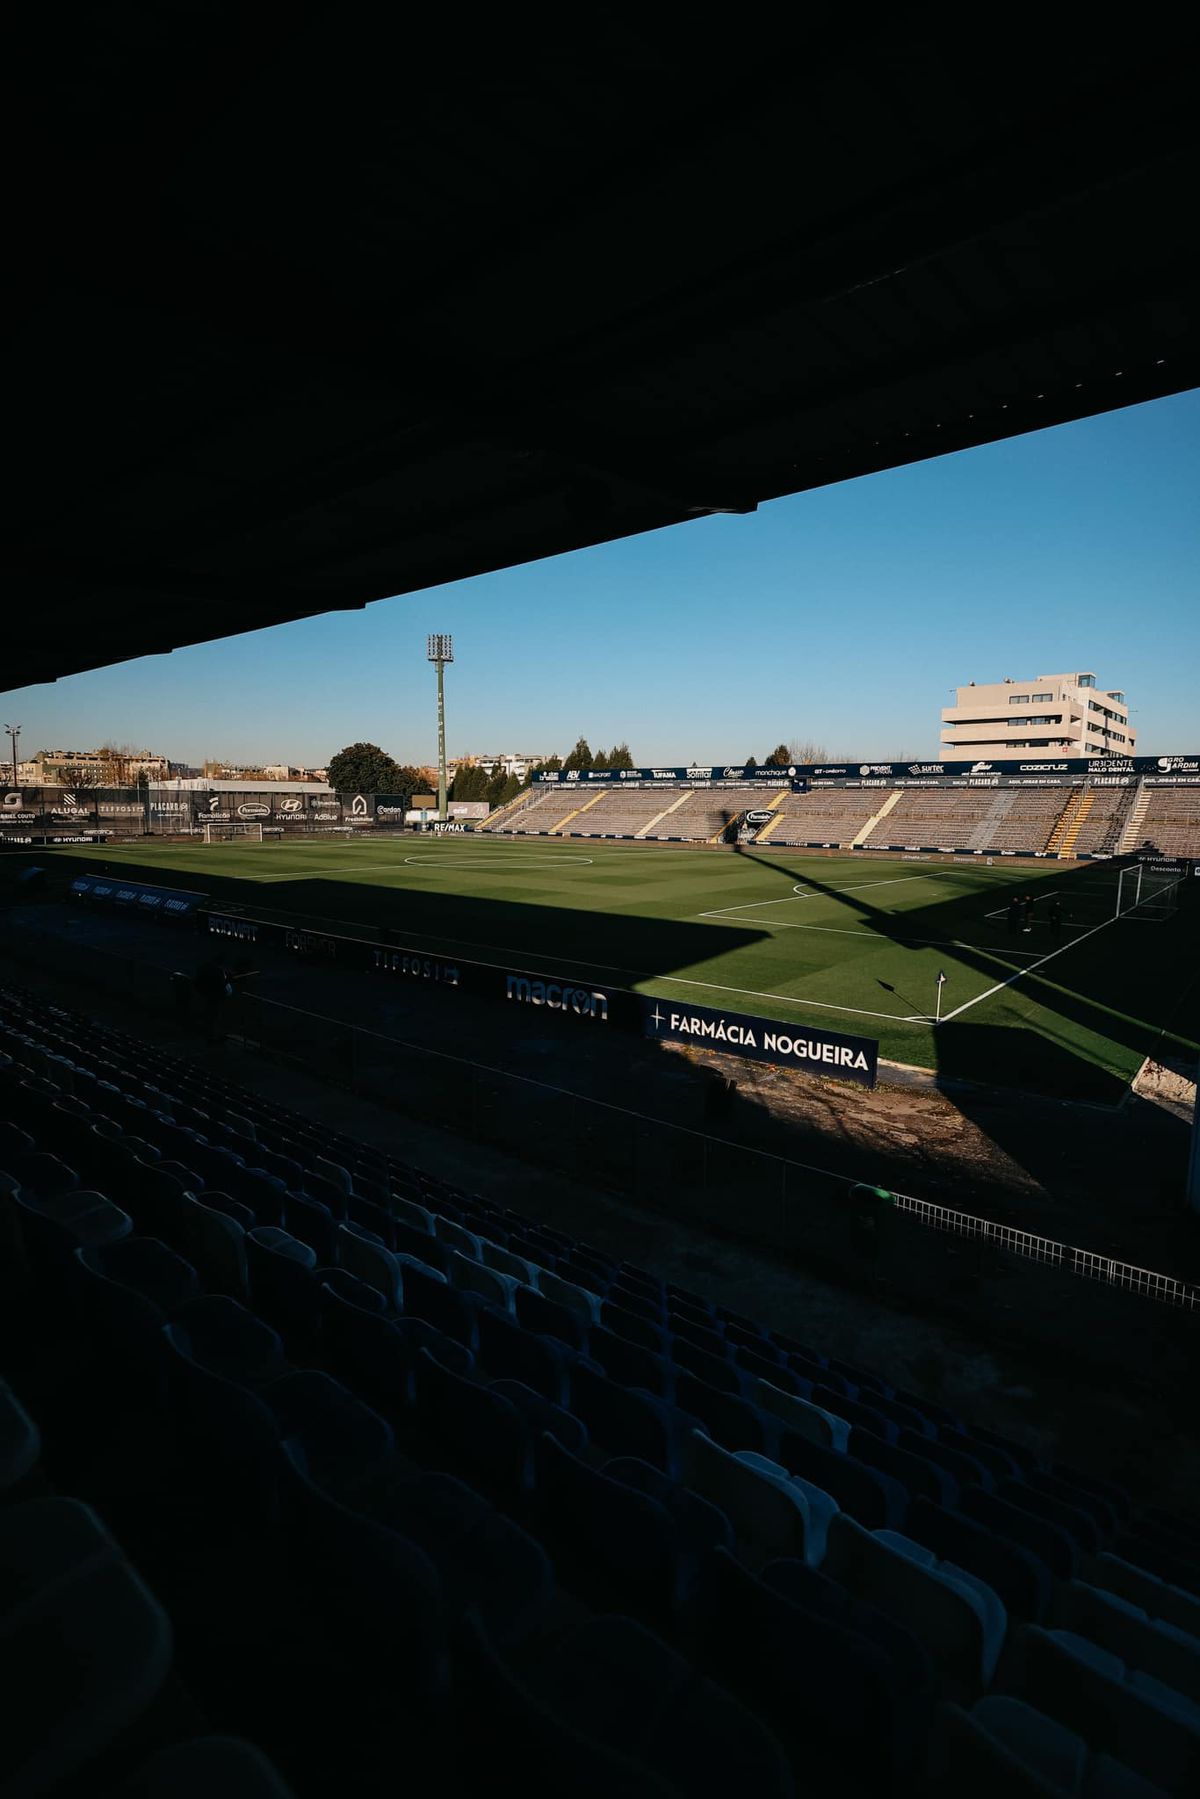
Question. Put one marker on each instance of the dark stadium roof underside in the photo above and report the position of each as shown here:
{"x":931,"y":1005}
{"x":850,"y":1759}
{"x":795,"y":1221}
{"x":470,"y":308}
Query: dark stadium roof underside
{"x":305,"y":324}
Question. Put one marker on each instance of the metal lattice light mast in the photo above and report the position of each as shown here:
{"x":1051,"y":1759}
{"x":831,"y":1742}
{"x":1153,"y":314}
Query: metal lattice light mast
{"x":14,"y":731}
{"x":439,"y":649}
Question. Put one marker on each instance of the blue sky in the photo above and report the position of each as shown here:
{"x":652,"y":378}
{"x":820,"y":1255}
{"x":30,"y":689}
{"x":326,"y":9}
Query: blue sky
{"x":841,"y":616}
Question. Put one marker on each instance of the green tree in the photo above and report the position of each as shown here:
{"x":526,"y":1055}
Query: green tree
{"x":751,"y":762}
{"x":619,"y":757}
{"x":494,"y":793}
{"x":550,"y":766}
{"x":779,"y":757}
{"x":470,"y":783}
{"x":581,"y":755}
{"x":365,"y":768}
{"x":601,"y":759}
{"x":411,"y":780}
{"x":512,"y":788}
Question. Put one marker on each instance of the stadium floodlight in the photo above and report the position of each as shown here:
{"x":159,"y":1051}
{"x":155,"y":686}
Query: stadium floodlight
{"x":439,"y":649}
{"x":14,"y":731}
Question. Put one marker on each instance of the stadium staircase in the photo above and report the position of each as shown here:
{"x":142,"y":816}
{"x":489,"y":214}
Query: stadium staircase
{"x":1069,"y":820}
{"x":665,"y":813}
{"x":891,"y":801}
{"x":1086,"y":801}
{"x":503,"y":814}
{"x":983,"y":837}
{"x":302,"y":1446}
{"x":586,"y":807}
{"x":1131,"y":833}
{"x":771,"y":806}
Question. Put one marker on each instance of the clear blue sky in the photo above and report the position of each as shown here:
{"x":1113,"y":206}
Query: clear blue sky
{"x":841,"y":616}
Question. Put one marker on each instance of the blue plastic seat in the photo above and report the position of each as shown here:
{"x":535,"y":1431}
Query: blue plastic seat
{"x":550,"y":1319}
{"x":282,"y":1271}
{"x":614,"y":1680}
{"x":858,"y":1413}
{"x":224,"y":1337}
{"x":618,"y":1542}
{"x":624,"y":1421}
{"x":347,"y":1446}
{"x":20,"y":1440}
{"x":955,"y":1458}
{"x":452,"y":1313}
{"x":1020,"y":1578}
{"x":920,"y":1475}
{"x":128,"y":1289}
{"x":728,"y":1419}
{"x":207,"y":1765}
{"x":509,"y":1352}
{"x":54,"y":1225}
{"x":543,"y":1414}
{"x":382,"y":1589}
{"x":629,"y":1364}
{"x":555,"y":1758}
{"x":489,"y":1441}
{"x":701,"y":1524}
{"x":86,"y":1647}
{"x":874,"y":1498}
{"x":844,"y":1708}
{"x":635,"y":1327}
{"x":224,"y":1244}
{"x":715,"y":1371}
{"x":43,"y":1175}
{"x":1047,"y":1540}
{"x":486,"y":1563}
{"x":314,"y":1224}
{"x":364,"y":1254}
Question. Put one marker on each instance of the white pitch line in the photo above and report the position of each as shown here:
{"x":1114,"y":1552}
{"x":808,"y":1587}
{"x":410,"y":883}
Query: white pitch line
{"x":1000,"y":985}
{"x":812,"y":893}
{"x":830,"y":930}
{"x":787,"y":999}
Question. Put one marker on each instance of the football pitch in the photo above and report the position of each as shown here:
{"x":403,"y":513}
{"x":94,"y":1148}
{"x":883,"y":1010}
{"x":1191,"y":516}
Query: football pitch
{"x":853,"y":943}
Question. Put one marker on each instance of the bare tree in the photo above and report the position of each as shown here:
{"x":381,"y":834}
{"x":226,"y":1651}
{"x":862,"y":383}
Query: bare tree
{"x":807,"y":751}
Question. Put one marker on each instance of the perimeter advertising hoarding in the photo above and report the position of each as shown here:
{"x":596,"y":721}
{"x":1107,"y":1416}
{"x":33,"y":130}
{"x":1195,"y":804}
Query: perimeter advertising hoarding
{"x":1109,"y":771}
{"x":159,"y":902}
{"x":807,"y":1048}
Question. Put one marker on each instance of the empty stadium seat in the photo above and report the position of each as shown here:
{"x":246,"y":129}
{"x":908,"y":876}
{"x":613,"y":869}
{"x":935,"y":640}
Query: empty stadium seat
{"x":959,"y":1618}
{"x":86,"y":1647}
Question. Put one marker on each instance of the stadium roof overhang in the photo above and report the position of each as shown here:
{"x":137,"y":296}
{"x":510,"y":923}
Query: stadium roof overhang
{"x":306,"y":322}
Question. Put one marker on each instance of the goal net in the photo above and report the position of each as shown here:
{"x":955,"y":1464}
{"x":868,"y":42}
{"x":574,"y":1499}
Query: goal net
{"x":1147,"y":893}
{"x":232,"y":831}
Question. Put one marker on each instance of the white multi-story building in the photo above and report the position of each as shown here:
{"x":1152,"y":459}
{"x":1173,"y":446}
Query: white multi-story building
{"x":513,"y":762}
{"x":1044,"y":718}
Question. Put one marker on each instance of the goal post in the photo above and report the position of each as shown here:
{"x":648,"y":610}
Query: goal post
{"x":232,"y":830}
{"x":1146,"y":892}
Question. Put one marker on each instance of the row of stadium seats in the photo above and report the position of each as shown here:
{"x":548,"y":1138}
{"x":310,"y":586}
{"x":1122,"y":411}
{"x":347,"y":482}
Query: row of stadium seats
{"x":428,"y":1487}
{"x":988,"y":819}
{"x":1172,"y":821}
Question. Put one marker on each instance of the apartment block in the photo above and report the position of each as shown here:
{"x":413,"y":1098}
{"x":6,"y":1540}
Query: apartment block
{"x":1046,"y":717}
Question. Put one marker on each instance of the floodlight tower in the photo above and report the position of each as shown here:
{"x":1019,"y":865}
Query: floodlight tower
{"x":439,"y":649}
{"x":14,"y":731}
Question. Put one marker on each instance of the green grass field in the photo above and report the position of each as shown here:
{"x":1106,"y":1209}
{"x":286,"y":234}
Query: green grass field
{"x":854,"y":943}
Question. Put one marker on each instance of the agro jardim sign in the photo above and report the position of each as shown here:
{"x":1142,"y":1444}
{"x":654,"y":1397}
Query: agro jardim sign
{"x":812,"y":1051}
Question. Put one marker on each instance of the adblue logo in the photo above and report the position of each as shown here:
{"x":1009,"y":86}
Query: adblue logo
{"x":555,"y":997}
